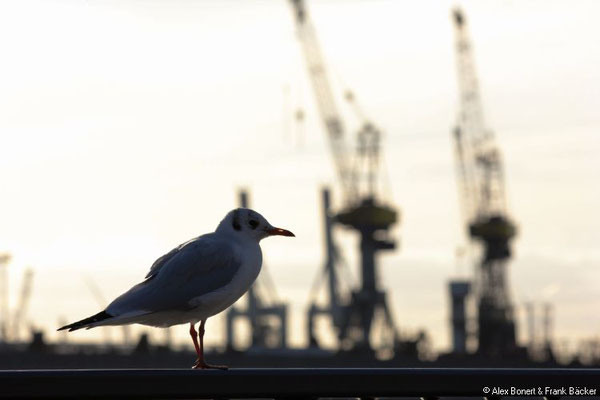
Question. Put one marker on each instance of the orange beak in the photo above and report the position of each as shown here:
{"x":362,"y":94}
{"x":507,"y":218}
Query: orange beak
{"x":279,"y":232}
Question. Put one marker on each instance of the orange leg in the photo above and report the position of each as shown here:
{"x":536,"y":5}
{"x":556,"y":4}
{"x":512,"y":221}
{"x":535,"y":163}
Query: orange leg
{"x":200,"y":363}
{"x":194,"y":336}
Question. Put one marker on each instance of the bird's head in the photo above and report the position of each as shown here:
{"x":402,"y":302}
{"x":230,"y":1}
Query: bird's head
{"x":243,"y":221}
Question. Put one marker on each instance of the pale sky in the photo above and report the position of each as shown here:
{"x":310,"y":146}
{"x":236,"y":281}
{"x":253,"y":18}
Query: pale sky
{"x":128,"y":126}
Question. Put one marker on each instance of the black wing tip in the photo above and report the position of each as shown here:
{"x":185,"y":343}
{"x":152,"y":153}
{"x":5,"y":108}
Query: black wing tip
{"x":70,"y":328}
{"x":101,"y":316}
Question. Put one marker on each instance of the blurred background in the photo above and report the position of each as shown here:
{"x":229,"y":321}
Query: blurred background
{"x":129,"y":127}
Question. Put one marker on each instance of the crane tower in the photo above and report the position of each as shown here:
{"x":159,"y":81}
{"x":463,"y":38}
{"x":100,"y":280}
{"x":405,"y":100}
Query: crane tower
{"x":482,"y":195}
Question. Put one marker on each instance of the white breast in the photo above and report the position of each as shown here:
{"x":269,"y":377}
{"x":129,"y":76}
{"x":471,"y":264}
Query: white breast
{"x":213,"y":303}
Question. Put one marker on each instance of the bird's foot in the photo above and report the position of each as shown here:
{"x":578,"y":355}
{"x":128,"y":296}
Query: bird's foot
{"x":202,"y":365}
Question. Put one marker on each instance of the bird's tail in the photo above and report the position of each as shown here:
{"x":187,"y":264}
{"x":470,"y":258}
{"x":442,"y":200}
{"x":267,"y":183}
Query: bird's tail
{"x":86,"y":322}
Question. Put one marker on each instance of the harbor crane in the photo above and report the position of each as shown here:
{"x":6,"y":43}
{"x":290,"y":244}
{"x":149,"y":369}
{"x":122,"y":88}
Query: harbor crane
{"x":102,"y":303}
{"x":266,"y":315}
{"x":4,"y":313}
{"x":352,"y":314}
{"x":482,"y":196}
{"x":20,"y":312}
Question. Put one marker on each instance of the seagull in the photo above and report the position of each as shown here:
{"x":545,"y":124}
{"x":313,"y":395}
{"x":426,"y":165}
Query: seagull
{"x":194,"y":281}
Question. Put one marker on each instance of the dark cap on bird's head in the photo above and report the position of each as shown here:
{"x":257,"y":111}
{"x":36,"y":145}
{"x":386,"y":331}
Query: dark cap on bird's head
{"x":251,"y":223}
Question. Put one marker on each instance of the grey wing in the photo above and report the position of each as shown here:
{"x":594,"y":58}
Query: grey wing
{"x":199,"y":267}
{"x":161,"y":261}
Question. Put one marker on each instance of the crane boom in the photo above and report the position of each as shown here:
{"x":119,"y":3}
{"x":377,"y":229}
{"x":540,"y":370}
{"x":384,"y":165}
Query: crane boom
{"x":479,"y":161}
{"x":324,"y":96}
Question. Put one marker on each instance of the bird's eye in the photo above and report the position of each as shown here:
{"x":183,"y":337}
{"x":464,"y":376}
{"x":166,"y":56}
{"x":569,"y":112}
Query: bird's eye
{"x":253,"y":223}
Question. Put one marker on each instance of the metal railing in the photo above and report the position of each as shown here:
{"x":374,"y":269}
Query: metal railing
{"x":299,"y":383}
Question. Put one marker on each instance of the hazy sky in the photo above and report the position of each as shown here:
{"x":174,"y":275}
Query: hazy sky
{"x":128,"y":126}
